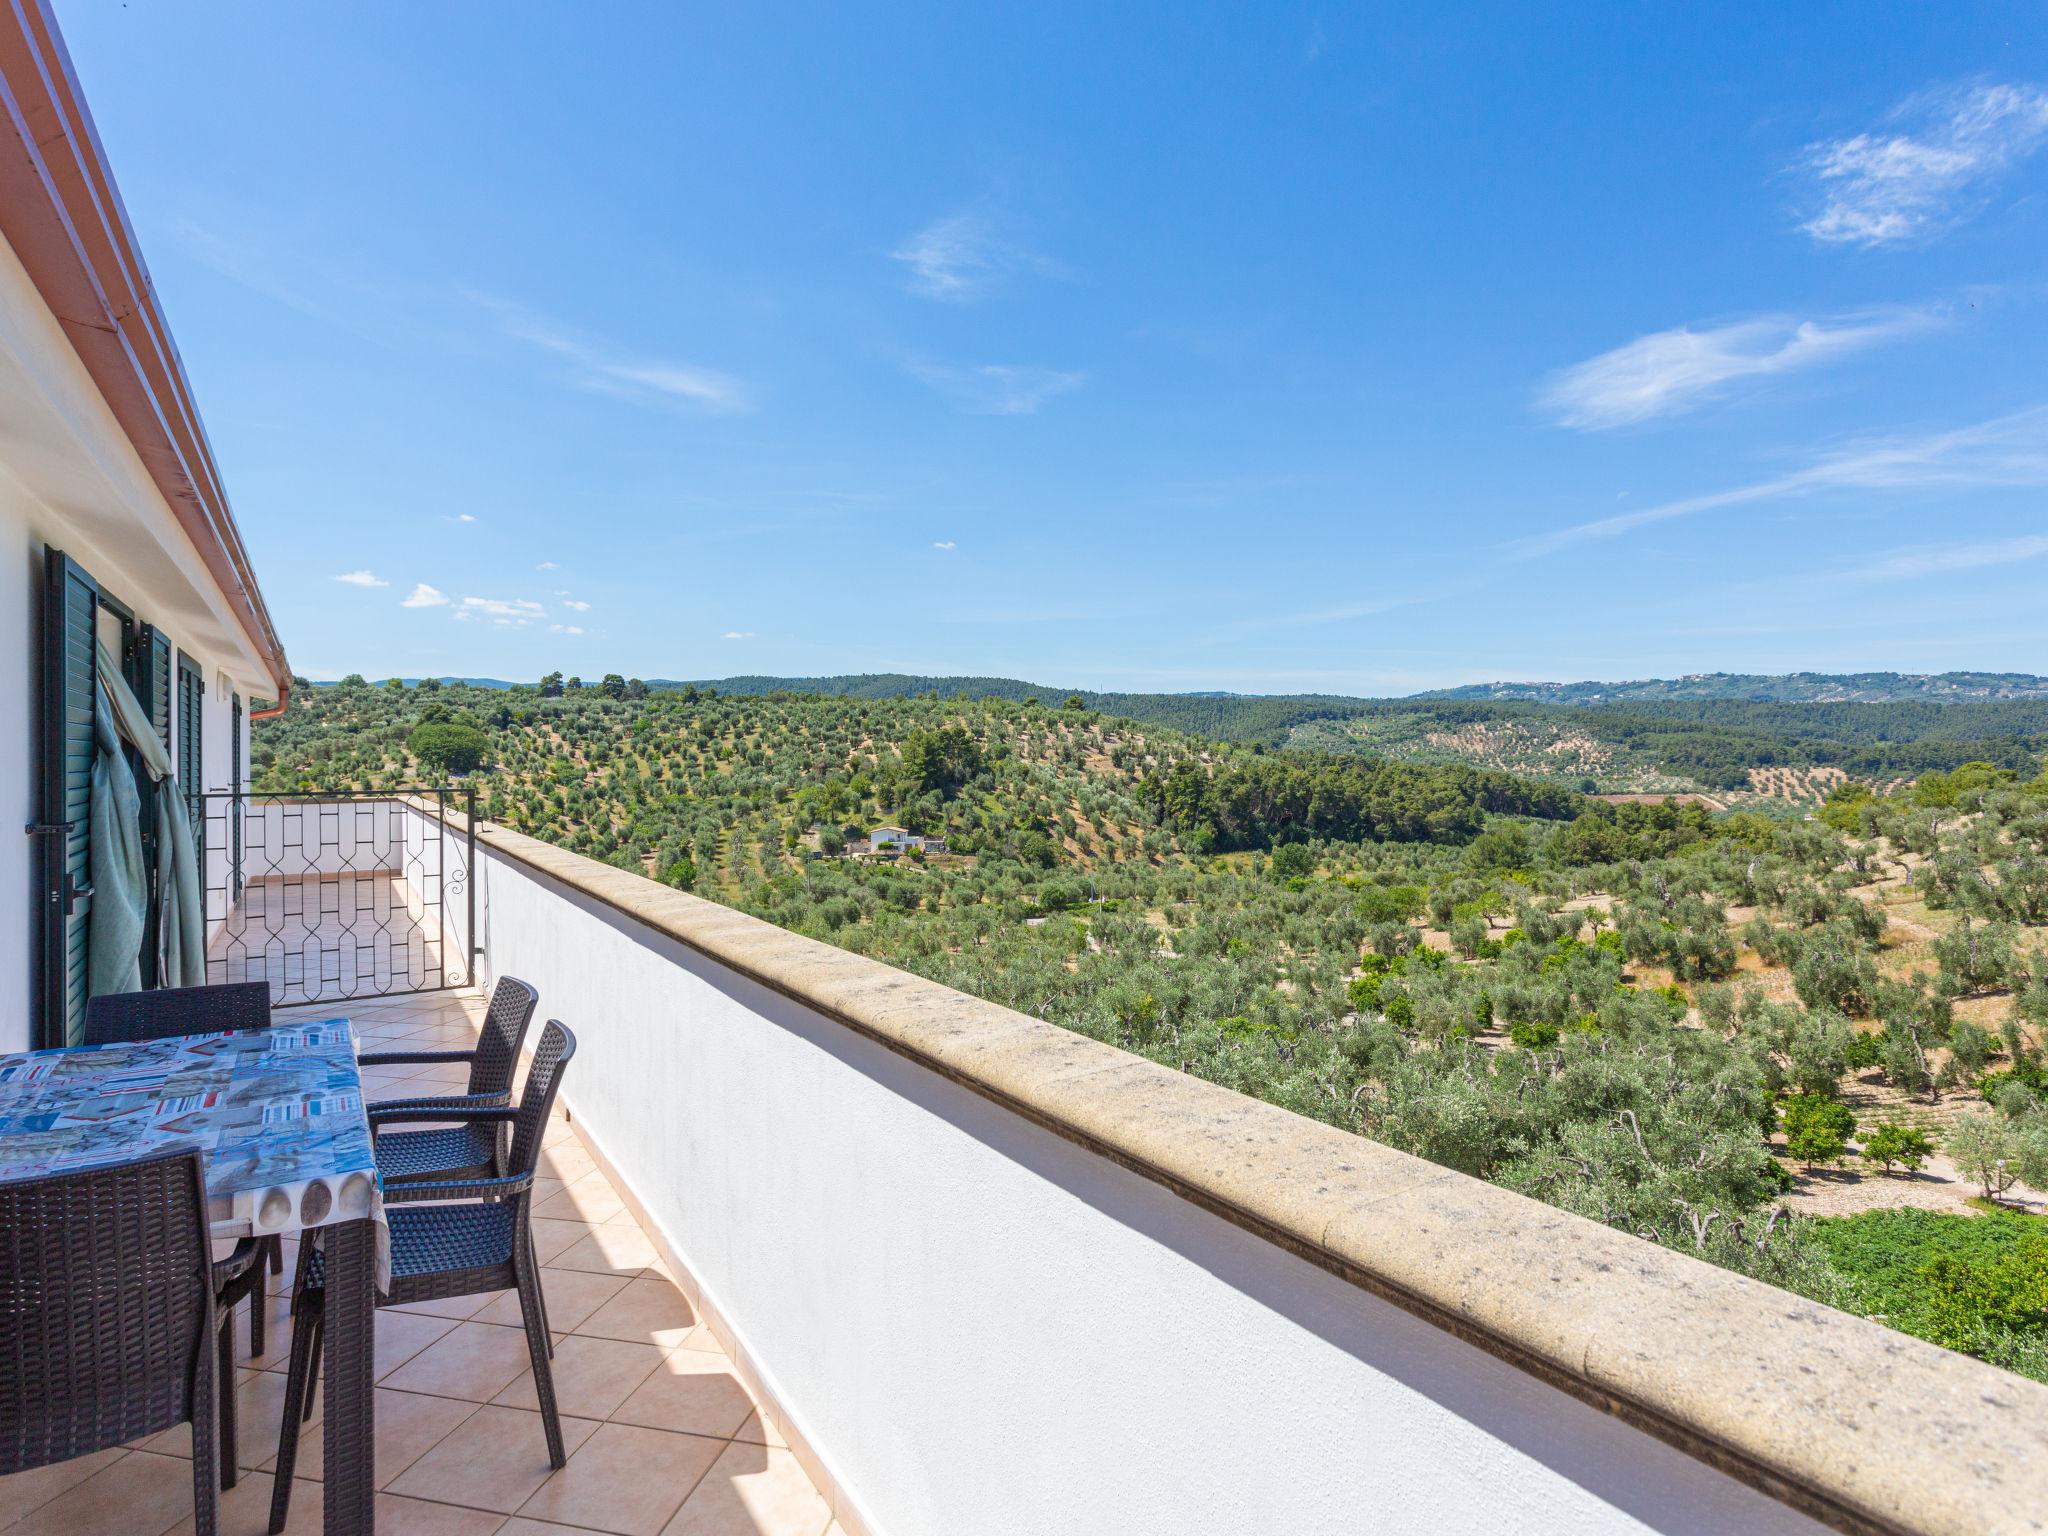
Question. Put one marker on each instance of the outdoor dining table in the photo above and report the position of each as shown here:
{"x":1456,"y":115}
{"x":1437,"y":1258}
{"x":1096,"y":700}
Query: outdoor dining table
{"x":279,"y":1115}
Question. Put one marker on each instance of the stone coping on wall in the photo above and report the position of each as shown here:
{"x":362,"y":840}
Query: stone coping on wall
{"x":1848,"y":1421}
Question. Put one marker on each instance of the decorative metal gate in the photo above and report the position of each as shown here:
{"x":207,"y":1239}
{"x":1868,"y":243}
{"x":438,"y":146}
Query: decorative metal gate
{"x":340,"y":894}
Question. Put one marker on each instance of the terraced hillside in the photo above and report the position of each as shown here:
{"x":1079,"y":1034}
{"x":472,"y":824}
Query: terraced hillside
{"x":1575,"y":750}
{"x":722,"y":793}
{"x":1771,"y":744}
{"x":1526,"y":744}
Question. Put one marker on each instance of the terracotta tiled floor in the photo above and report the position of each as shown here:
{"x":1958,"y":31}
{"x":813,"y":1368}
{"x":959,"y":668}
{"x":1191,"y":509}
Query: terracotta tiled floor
{"x":332,"y":937}
{"x":663,"y":1439}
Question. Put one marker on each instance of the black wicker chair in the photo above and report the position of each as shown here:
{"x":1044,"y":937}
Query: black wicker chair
{"x":163,"y":1014}
{"x":107,"y":1317}
{"x":467,"y":1147}
{"x":476,"y":1237}
{"x":168,"y":1011}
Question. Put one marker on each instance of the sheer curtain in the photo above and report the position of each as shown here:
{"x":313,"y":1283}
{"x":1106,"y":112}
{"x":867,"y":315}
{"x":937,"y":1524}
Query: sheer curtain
{"x":119,"y":876}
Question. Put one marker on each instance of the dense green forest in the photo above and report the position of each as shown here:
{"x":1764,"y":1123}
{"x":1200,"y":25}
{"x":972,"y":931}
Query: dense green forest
{"x":1734,"y":1033}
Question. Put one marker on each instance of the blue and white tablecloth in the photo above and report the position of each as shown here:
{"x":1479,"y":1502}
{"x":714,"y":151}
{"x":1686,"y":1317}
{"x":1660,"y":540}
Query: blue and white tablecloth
{"x":278,"y":1113}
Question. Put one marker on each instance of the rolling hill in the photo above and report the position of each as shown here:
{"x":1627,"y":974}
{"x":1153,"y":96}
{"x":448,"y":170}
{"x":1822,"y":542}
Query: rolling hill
{"x":1784,"y":688}
{"x":1744,"y":740}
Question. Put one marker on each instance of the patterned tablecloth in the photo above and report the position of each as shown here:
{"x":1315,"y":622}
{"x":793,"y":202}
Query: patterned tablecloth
{"x":278,"y":1113}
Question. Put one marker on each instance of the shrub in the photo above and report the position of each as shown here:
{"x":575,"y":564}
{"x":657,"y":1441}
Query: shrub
{"x":1896,"y":1144}
{"x":1817,"y":1128}
{"x":2030,"y":1073}
{"x":1973,"y":1283}
{"x":1388,"y":903}
{"x":1506,"y":846}
{"x":448,"y":746}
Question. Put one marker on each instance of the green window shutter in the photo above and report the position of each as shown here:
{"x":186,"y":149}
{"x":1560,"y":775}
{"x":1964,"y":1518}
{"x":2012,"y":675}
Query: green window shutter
{"x":153,"y":656}
{"x":191,"y":759}
{"x":64,"y":886}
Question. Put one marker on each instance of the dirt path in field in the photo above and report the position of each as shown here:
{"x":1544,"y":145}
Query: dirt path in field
{"x":1939,"y":1186}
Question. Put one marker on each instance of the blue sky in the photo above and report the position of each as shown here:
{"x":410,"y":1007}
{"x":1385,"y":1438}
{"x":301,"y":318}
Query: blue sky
{"x":1270,"y":348}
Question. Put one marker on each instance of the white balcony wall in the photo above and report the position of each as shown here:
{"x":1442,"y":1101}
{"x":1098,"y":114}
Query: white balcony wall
{"x":290,"y":839}
{"x":71,"y":480}
{"x":977,"y":1325}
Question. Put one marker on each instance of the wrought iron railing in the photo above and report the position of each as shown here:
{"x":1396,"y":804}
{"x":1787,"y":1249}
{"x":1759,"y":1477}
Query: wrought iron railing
{"x":331,"y":895}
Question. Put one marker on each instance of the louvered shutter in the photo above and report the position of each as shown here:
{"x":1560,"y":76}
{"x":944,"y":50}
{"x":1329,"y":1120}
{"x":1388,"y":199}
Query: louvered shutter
{"x":190,"y":758}
{"x":70,"y":612}
{"x":152,"y":673}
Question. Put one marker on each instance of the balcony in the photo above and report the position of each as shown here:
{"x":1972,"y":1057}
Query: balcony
{"x":332,"y":897}
{"x":663,"y":1435}
{"x":835,"y":1248}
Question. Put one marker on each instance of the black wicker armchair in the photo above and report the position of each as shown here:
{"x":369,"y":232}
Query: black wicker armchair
{"x":162,"y":1014}
{"x":107,"y":1319}
{"x":464,"y":1147}
{"x":168,"y":1011}
{"x":474,"y":1237}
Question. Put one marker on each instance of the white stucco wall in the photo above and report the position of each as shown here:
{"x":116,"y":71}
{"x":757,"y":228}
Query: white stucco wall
{"x":291,"y":838}
{"x":70,"y":479}
{"x":982,"y":1327}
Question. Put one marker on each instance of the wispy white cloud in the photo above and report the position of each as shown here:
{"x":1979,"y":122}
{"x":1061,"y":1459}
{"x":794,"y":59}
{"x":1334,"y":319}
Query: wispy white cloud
{"x":463,"y":517}
{"x":700,"y":387}
{"x":1668,"y":372}
{"x":547,"y":565}
{"x":1919,"y":560}
{"x":2006,"y":451}
{"x":596,"y":368}
{"x":507,"y":610}
{"x":362,"y":579}
{"x":1889,"y":187}
{"x":945,"y":544}
{"x":998,"y":389}
{"x":565,"y":629}
{"x":962,"y":256}
{"x":576,"y":603}
{"x":424,"y":596}
{"x":737,"y":634}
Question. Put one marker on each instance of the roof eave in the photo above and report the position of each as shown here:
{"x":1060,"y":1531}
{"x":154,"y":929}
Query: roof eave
{"x":62,"y":215}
